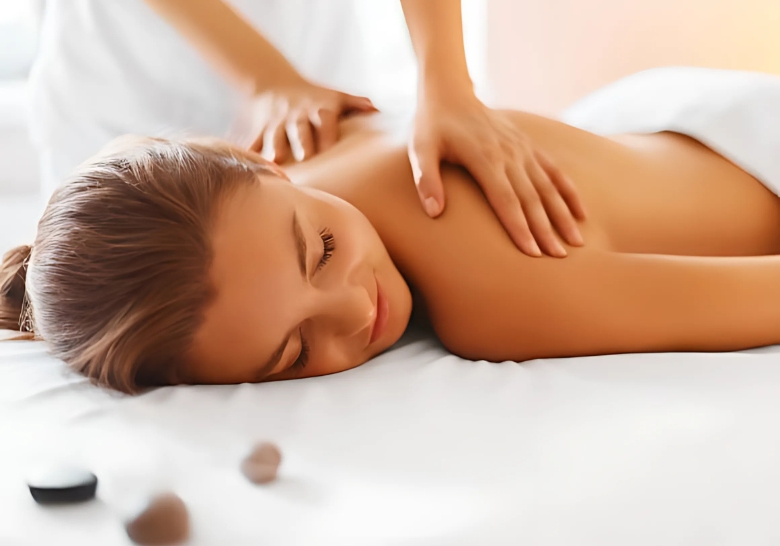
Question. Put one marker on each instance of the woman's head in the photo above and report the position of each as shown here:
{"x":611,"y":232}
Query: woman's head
{"x":141,"y":271}
{"x":303,"y":287}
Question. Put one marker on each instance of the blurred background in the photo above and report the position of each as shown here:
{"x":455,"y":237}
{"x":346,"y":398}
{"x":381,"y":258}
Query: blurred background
{"x":538,"y":55}
{"x":542,"y":55}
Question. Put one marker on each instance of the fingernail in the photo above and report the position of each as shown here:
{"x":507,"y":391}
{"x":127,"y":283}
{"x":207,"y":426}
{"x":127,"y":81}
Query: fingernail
{"x":577,"y":238}
{"x":561,"y":252}
{"x":535,"y":250}
{"x":431,"y":206}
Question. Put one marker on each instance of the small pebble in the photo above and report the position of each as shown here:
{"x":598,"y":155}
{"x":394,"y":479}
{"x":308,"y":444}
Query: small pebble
{"x":262,"y":464}
{"x":164,"y":520}
{"x":61,"y":484}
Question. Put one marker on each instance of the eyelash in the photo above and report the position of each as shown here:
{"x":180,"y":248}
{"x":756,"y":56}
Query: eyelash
{"x":328,"y":247}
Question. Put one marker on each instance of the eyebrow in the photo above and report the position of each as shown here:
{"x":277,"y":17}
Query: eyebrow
{"x":300,"y":244}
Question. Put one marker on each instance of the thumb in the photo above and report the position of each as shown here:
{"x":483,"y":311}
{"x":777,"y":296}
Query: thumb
{"x":426,"y":165}
{"x":353,"y":103}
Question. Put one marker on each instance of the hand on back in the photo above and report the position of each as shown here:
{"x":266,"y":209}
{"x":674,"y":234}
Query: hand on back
{"x":530,"y":196}
{"x":300,"y":119}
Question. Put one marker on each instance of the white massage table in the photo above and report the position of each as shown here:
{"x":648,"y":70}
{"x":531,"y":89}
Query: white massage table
{"x":417,"y":447}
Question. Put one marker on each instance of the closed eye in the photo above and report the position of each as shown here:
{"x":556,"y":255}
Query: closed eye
{"x":328,"y":247}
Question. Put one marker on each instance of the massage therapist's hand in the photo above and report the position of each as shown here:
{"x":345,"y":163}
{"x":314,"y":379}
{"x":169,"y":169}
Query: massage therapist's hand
{"x":288,"y":116}
{"x":528,"y":193}
{"x":300,"y":119}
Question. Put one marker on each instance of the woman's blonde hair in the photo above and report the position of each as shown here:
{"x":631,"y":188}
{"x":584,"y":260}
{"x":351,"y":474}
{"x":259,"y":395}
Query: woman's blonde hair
{"x":117,"y":279}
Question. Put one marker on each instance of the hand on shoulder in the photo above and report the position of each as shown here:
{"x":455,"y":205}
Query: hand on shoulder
{"x":530,"y":196}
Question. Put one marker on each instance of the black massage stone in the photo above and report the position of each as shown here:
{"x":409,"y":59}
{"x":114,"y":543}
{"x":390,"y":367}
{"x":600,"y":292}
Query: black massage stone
{"x":62,"y":484}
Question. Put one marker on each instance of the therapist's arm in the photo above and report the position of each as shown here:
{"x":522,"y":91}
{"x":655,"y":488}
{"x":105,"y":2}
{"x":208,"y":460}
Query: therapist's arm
{"x":296,"y":115}
{"x":528,"y":194}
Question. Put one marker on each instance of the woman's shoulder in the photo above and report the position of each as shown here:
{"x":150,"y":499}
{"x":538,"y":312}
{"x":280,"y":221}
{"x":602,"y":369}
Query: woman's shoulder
{"x":370,"y":156}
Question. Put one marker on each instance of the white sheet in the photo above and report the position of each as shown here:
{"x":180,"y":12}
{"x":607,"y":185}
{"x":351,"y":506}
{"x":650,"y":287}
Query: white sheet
{"x":416,"y":448}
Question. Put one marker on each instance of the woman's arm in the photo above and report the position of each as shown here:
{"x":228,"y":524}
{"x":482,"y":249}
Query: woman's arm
{"x":528,"y":193}
{"x":292,"y":116}
{"x":602,"y":302}
{"x":229,"y":43}
{"x":436,"y":30}
{"x":487,"y":302}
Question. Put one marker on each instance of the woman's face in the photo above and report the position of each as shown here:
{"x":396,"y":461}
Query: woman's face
{"x":304,"y":287}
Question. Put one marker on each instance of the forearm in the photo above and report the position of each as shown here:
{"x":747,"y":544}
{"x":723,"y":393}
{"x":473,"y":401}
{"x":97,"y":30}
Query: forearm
{"x":642,"y":302}
{"x":601,"y":302}
{"x":228,"y":42}
{"x":436,"y":30}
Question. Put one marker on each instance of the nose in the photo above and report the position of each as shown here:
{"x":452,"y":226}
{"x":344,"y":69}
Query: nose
{"x":347,"y":309}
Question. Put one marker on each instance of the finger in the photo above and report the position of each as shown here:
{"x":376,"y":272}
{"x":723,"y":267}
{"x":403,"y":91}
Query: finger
{"x":299,"y":135}
{"x":566,"y":187}
{"x":353,"y":103}
{"x":558,"y":213}
{"x":257,"y":143}
{"x":499,"y":192}
{"x":426,"y":169}
{"x":267,"y":149}
{"x":534,"y":215}
{"x":276,"y":148}
{"x":326,"y":127}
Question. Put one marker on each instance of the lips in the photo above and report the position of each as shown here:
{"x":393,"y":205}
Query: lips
{"x":382,"y":313}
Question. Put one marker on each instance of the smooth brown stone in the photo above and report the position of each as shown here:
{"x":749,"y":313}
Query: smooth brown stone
{"x":163,"y":521}
{"x":262,"y":463}
{"x":259,"y":473}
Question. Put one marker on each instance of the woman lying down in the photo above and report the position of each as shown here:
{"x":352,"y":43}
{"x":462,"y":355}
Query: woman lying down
{"x":166,"y":262}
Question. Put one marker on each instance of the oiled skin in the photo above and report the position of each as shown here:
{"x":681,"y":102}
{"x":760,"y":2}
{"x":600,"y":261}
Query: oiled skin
{"x":678,"y":253}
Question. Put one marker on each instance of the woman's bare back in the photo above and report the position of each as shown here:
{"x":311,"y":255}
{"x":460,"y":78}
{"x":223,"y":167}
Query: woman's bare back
{"x":663,"y":193}
{"x":645,"y":194}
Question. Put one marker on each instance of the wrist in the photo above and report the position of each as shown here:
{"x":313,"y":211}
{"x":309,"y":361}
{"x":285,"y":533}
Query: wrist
{"x":437,"y":77}
{"x":444,"y":87}
{"x":280,"y":78}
